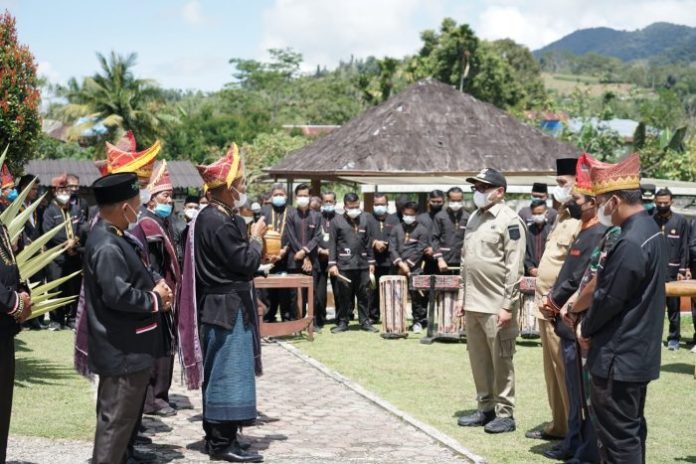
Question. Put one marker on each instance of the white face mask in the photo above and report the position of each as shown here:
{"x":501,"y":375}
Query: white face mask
{"x":242,"y":199}
{"x":302,"y":202}
{"x":125,"y":216}
{"x":248,"y":219}
{"x":562,"y":194}
{"x":63,"y":198}
{"x":353,"y":212}
{"x":408,"y":220}
{"x":539,"y":218}
{"x":482,"y":199}
{"x":604,"y":219}
{"x":455,"y":205}
{"x":190,"y":213}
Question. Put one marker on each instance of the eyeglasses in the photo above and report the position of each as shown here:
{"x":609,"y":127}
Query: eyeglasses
{"x":480,"y":188}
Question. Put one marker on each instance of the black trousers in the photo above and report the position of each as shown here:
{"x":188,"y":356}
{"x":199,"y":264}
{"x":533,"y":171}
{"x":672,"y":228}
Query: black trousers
{"x":374,"y":293}
{"x":7,"y":376}
{"x":358,"y":290}
{"x":157,"y":393}
{"x":321,"y":280}
{"x":119,"y":407}
{"x":620,"y":422}
{"x":674,"y":318}
{"x":62,"y":268}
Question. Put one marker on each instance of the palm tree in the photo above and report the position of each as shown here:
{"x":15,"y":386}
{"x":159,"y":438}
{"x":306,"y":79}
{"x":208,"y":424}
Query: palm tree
{"x":118,"y":100}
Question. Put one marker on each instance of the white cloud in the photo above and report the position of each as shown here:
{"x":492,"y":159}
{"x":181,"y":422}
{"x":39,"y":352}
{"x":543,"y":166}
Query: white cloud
{"x":46,"y":69}
{"x":192,"y":13}
{"x":326,"y":32}
{"x":537,"y":23}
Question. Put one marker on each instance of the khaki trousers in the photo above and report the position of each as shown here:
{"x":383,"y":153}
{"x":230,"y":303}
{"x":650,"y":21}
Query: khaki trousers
{"x":490,"y":354}
{"x":554,"y":373}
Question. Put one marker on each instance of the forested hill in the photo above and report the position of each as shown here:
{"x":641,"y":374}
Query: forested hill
{"x":662,"y":42}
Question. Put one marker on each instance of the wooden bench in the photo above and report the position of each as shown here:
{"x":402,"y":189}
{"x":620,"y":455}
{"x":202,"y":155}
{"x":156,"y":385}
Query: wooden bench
{"x":296,"y":281}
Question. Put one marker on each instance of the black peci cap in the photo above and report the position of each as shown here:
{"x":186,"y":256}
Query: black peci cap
{"x":115,"y":188}
{"x":538,"y":187}
{"x":489,"y":176}
{"x":648,"y":191}
{"x":566,"y":166}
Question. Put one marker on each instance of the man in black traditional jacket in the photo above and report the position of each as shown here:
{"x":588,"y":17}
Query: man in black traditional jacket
{"x":623,"y":326}
{"x":220,"y":263}
{"x":15,"y":308}
{"x":381,"y":225}
{"x":449,"y":227}
{"x":124,"y":333}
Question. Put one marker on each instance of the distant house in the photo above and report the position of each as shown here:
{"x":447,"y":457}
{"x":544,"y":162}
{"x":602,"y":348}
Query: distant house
{"x":625,"y":128}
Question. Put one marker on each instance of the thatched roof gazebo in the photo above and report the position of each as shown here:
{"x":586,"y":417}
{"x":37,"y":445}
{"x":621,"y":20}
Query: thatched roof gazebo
{"x":427,"y":133}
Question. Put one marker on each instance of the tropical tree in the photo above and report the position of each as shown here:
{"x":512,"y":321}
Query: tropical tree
{"x":118,"y":100}
{"x":20,"y":126}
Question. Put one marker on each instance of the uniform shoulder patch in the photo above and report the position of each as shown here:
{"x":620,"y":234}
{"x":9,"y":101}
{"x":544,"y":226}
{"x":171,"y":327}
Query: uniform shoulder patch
{"x":514,"y":231}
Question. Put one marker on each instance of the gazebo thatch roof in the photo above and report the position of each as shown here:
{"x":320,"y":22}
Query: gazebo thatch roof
{"x":429,"y":128}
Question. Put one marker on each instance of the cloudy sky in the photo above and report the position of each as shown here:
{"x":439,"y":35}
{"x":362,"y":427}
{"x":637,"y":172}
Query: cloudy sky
{"x":188,"y":43}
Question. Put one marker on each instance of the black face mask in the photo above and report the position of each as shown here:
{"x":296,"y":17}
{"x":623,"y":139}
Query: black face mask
{"x":574,"y":210}
{"x":435,"y":208}
{"x":663,"y":209}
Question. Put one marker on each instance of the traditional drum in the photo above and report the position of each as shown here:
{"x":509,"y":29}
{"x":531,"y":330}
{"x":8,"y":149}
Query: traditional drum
{"x":271,"y":244}
{"x":443,"y":321}
{"x":528,"y":324}
{"x":393,"y":292}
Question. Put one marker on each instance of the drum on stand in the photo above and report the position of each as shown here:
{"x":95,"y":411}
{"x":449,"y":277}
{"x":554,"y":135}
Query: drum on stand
{"x":393,"y":302}
{"x":443,"y":321}
{"x":529,"y":326}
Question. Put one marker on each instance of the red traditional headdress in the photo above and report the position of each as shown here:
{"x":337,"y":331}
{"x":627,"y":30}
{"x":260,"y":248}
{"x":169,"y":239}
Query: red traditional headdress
{"x":122,"y":157}
{"x":7,"y":179}
{"x":223,"y":171}
{"x":60,"y":181}
{"x":624,"y":175}
{"x":160,"y":180}
{"x":583,"y":181}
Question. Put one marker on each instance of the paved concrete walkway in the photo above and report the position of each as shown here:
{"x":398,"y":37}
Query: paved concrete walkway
{"x":306,"y":417}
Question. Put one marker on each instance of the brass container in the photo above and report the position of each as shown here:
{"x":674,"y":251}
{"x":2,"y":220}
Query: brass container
{"x":271,"y":244}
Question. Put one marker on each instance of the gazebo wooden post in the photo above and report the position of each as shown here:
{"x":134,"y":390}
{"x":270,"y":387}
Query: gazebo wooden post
{"x":316,"y":186}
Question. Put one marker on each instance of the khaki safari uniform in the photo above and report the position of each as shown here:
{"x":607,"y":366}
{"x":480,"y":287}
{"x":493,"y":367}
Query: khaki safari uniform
{"x":562,"y":235}
{"x":492,"y":265}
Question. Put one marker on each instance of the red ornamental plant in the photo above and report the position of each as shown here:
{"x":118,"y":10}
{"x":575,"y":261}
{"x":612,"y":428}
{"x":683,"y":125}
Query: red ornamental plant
{"x":20,"y":123}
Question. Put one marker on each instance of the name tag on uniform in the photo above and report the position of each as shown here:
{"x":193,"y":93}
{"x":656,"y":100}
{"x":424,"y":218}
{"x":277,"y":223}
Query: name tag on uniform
{"x":362,"y":231}
{"x":326,"y":236}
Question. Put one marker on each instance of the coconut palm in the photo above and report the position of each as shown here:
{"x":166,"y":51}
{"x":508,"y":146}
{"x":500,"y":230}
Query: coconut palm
{"x":114,"y":98}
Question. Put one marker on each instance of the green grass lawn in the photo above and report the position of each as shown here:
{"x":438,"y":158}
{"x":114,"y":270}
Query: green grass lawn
{"x":50,"y":399}
{"x":434,"y":384}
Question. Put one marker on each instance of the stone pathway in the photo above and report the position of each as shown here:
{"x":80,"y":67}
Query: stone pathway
{"x":306,"y":417}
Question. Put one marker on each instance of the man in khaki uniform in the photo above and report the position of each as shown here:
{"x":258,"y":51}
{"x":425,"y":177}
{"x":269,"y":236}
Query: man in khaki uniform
{"x":491,"y":267}
{"x":562,"y":235}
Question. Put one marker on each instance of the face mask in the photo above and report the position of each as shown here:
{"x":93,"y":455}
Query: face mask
{"x":539,"y":218}
{"x":408,"y":220}
{"x":482,"y":199}
{"x":202,"y":205}
{"x":190,"y":213}
{"x":125,"y":216}
{"x":353,"y":212}
{"x":455,"y":205}
{"x":144,"y":196}
{"x":328,"y":209}
{"x":663,"y":209}
{"x":574,"y":210}
{"x":604,"y":219}
{"x":278,"y":201}
{"x":63,"y":198}
{"x":435,"y":208}
{"x":562,"y":194}
{"x":302,"y":202}
{"x":248,"y":219}
{"x":380,"y":210}
{"x":163,"y":210}
{"x":649,"y":206}
{"x":12,"y":196}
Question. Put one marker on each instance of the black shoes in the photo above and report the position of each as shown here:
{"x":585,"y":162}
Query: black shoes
{"x":558,"y":454}
{"x":236,"y":454}
{"x":541,"y":435}
{"x":367,"y":327}
{"x":166,"y":411}
{"x":500,"y":425}
{"x":341,"y":327}
{"x":477,"y":419}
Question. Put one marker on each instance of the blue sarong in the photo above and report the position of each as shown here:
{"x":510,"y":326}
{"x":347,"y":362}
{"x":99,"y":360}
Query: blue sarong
{"x":229,"y":386}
